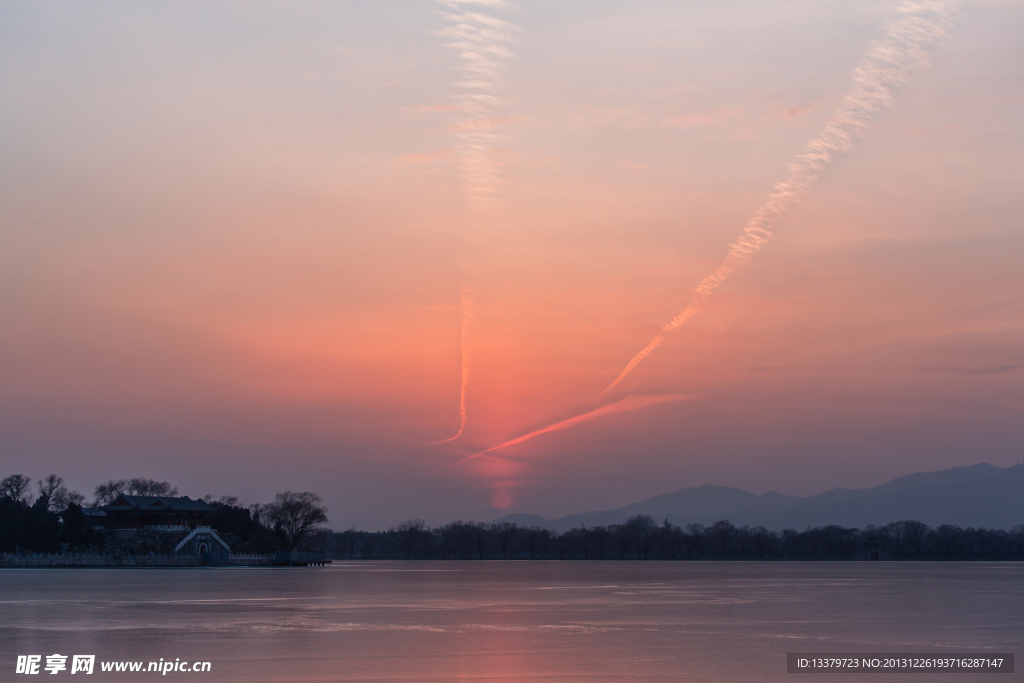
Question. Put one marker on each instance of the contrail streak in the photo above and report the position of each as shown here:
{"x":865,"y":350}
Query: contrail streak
{"x":465,"y":316}
{"x":479,"y":42}
{"x":626,"y":404}
{"x":887,"y":65}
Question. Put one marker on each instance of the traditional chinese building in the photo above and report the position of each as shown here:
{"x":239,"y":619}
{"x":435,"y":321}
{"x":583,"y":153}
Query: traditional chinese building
{"x":163,"y":513}
{"x":95,"y":517}
{"x":171,"y":514}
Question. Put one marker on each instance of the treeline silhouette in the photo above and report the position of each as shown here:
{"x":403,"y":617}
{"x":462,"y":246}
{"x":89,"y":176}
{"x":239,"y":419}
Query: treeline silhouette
{"x":641,"y":538}
{"x":36,"y":527}
{"x":52,"y":519}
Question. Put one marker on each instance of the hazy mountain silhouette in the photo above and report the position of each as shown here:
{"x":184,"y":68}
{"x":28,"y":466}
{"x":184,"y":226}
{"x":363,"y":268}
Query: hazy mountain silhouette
{"x":977,"y":495}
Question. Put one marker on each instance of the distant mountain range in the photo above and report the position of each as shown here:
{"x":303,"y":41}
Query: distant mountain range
{"x":978,"y":495}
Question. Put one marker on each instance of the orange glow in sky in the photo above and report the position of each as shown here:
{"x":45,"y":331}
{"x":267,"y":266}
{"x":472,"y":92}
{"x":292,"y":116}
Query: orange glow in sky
{"x":249,"y":247}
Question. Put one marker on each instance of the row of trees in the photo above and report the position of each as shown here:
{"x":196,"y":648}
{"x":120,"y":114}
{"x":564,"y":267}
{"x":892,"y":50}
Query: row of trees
{"x":54,"y":519}
{"x":642,"y":538}
{"x":18,"y":487}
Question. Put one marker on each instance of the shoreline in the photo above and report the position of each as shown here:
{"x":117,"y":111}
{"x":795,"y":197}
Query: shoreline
{"x":40,"y":561}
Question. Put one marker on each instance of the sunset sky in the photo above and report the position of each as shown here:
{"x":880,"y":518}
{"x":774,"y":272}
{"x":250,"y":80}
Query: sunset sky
{"x":256,"y":246}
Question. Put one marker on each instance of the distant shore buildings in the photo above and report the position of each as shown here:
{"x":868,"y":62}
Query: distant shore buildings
{"x":193,"y":519}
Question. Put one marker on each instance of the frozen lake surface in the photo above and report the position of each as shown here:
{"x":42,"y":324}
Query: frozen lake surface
{"x":513,"y":621}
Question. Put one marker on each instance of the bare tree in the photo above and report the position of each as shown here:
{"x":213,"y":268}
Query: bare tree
{"x":602,"y":541}
{"x":504,"y":533}
{"x":16,"y":487}
{"x":140,"y":486}
{"x":948,"y":537}
{"x":694,"y":540}
{"x":537,"y":541}
{"x":107,"y":492}
{"x":642,"y":528}
{"x":54,"y":490}
{"x":259,"y":513}
{"x":481,"y":538}
{"x":50,"y":485}
{"x":349,"y":540}
{"x":225,"y":501}
{"x":574,"y":543}
{"x":296,"y":515}
{"x":670,"y":538}
{"x":763,"y":540}
{"x":623,"y":534}
{"x":790,"y":542}
{"x":723,"y":532}
{"x":1017,"y":539}
{"x":457,"y":540}
{"x":408,"y":532}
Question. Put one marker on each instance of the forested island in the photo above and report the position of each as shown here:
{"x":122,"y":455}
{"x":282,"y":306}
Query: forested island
{"x":53,"y":520}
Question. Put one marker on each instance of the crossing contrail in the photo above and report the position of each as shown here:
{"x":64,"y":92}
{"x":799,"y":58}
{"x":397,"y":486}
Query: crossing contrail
{"x":888,"y":64}
{"x":626,"y":404}
{"x":479,"y":41}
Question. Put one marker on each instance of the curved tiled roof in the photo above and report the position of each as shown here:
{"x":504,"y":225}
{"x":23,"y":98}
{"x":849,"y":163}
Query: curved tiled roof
{"x":125,"y":503}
